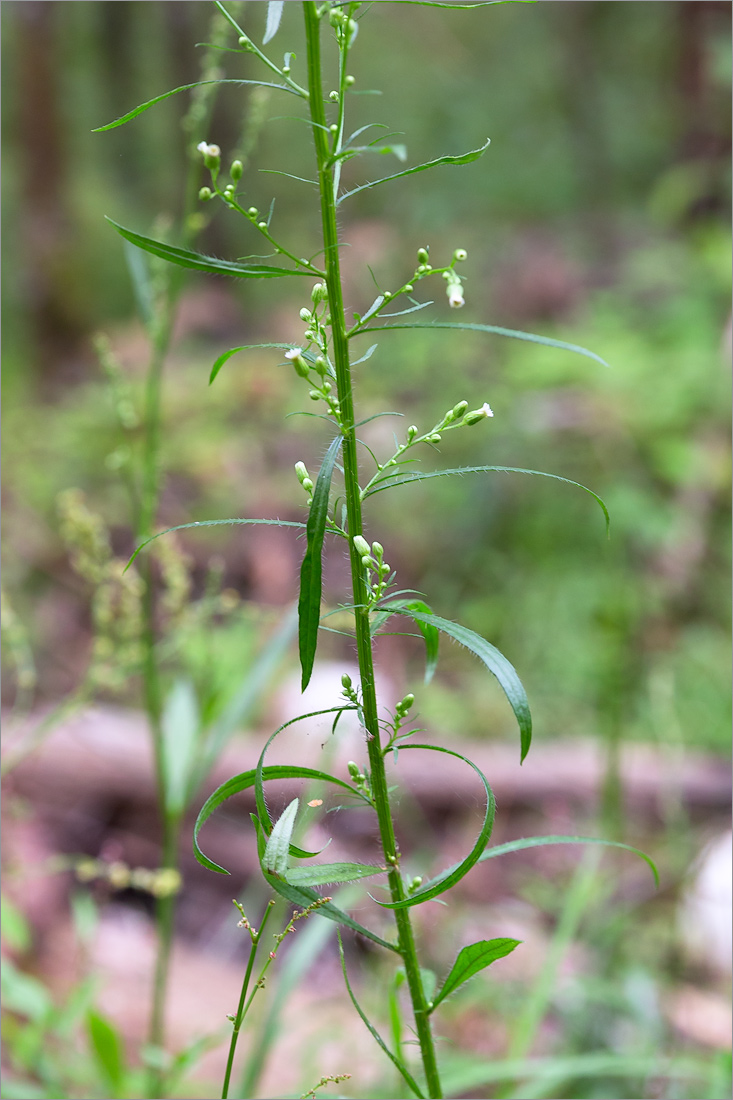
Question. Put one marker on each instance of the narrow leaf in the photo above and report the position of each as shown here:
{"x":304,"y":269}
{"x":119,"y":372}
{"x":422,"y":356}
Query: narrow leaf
{"x":397,"y":1062}
{"x":311,"y":571}
{"x":183,"y":88}
{"x":470,"y":961}
{"x":367,"y":355}
{"x":494,"y":660}
{"x":277,"y":849}
{"x":107,"y":1047}
{"x":274,"y":15}
{"x":303,"y":896}
{"x":244,"y":347}
{"x":180,"y":726}
{"x":404,"y":479}
{"x":462,"y":158}
{"x":213,"y":523}
{"x":326,"y":873}
{"x":446,"y":880}
{"x":495,"y":330}
{"x":194,"y":260}
{"x":540,"y":841}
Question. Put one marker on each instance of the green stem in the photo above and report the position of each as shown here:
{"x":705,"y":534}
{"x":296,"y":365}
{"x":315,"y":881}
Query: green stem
{"x":360,"y":595}
{"x":241,"y":1010}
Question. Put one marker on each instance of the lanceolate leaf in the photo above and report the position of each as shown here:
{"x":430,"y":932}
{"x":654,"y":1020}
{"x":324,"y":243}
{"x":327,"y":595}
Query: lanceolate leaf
{"x":470,"y":961}
{"x":398,"y":478}
{"x":274,"y":15}
{"x":328,"y":873}
{"x":448,"y":879}
{"x":463,"y":158}
{"x":183,"y":88}
{"x":396,"y":1061}
{"x":194,"y":260}
{"x":495,"y":661}
{"x":311,"y":571}
{"x":277,"y":849}
{"x":494,"y":330}
{"x":540,"y":841}
{"x":303,"y":896}
{"x":213,"y":523}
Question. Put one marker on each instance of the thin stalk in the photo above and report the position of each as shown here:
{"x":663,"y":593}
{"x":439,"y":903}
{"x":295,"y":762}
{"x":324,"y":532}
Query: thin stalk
{"x":342,"y":367}
{"x":240,"y":1014}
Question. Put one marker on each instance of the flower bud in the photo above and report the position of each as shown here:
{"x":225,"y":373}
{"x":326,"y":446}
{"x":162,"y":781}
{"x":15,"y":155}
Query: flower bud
{"x":422,"y":256}
{"x":253,"y":211}
{"x":460,"y":254}
{"x":406,"y":703}
{"x":367,"y":560}
{"x":307,"y":484}
{"x":302,"y":471}
{"x":361,"y":545}
{"x":205,"y":194}
{"x":314,"y":395}
{"x":262,"y":225}
{"x":346,"y":681}
{"x":321,"y":365}
{"x":305,"y":314}
{"x":236,"y":170}
{"x":333,"y":96}
{"x":349,"y":80}
{"x":296,"y":358}
{"x":354,"y":768}
{"x":319,"y":293}
{"x":377,"y":549}
{"x":478,"y":414}
{"x":460,"y":408}
{"x":434,"y":438}
{"x":412,"y":432}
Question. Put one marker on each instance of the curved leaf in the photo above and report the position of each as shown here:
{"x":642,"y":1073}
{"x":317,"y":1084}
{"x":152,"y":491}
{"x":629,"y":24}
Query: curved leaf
{"x":244,"y":347}
{"x":183,"y":88}
{"x":494,"y":660}
{"x":274,"y":15}
{"x":212,"y":523}
{"x":448,"y":879}
{"x":494,"y":330}
{"x":322,"y":874}
{"x":403,"y":479}
{"x":303,"y":896}
{"x":462,"y":158}
{"x":472,"y":959}
{"x":540,"y":841}
{"x":277,"y":850}
{"x":311,"y":571}
{"x":194,"y":260}
{"x":396,"y":1061}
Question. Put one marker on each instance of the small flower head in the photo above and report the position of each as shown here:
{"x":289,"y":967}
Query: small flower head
{"x":361,"y":545}
{"x":236,"y":170}
{"x":210,"y":153}
{"x":455,"y":296}
{"x":295,"y":355}
{"x":460,"y":254}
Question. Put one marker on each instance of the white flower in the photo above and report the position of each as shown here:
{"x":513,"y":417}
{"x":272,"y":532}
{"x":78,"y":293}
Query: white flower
{"x":207,"y":150}
{"x":486,"y":409}
{"x":455,"y":296}
{"x":293,"y":353}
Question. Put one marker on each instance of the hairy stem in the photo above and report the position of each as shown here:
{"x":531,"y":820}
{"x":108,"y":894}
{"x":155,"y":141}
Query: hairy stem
{"x":340,"y":354}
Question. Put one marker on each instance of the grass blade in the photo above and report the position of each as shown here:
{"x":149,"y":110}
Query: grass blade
{"x":397,"y":1062}
{"x":494,"y":660}
{"x":462,"y":158}
{"x":495,"y":330}
{"x":405,"y":479}
{"x":472,"y":959}
{"x":539,"y":841}
{"x":448,"y":879}
{"x":244,"y":347}
{"x":194,"y":260}
{"x":311,"y":571}
{"x":212,"y":523}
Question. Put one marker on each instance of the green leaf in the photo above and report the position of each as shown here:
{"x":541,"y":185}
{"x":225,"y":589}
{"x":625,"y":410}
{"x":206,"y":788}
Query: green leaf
{"x":16,"y":931}
{"x":23,"y":994}
{"x":244,"y":347}
{"x":448,"y":879}
{"x":311,"y":571}
{"x":494,"y":660}
{"x":540,"y":841}
{"x":404,"y":479}
{"x":324,"y":873}
{"x":180,"y":726}
{"x":194,"y":260}
{"x":429,"y":632}
{"x":183,"y":88}
{"x":397,"y":1062}
{"x":213,"y":523}
{"x":277,"y":849}
{"x":462,"y":158}
{"x":494,"y":330}
{"x":303,"y":896}
{"x":108,"y":1050}
{"x":470,"y":961}
{"x":274,"y":15}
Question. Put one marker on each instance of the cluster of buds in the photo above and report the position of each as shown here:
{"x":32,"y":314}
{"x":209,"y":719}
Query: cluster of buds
{"x":372,"y":558}
{"x":403,"y":707}
{"x":161,"y":883}
{"x":349,"y":691}
{"x":359,"y":779}
{"x":344,"y":27}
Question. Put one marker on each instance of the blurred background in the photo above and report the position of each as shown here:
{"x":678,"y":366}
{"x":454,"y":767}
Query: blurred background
{"x":599,"y":215}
